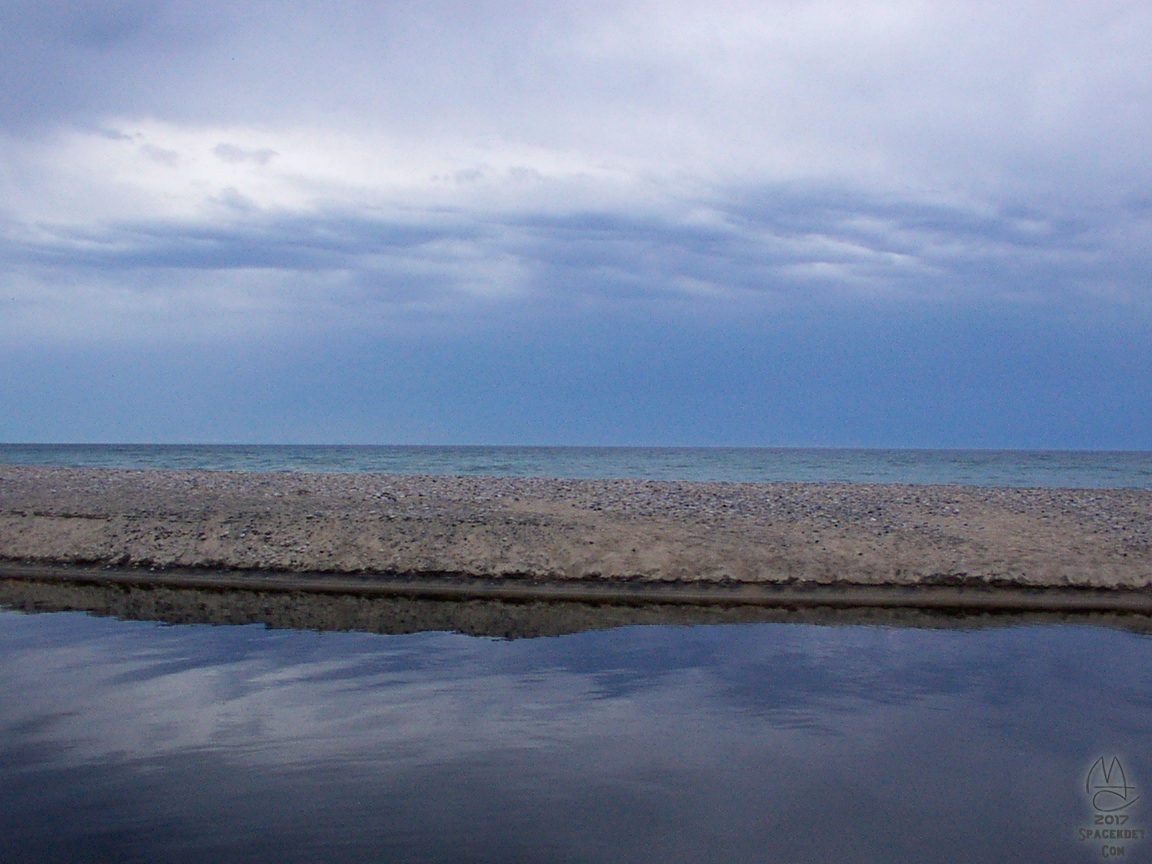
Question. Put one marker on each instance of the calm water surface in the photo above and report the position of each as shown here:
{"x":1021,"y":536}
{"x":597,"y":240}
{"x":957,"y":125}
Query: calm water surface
{"x":129,"y":741}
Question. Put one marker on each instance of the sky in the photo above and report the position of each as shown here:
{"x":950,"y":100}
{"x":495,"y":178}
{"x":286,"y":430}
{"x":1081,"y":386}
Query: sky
{"x":892,"y":224}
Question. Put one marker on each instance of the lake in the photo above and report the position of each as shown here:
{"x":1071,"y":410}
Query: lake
{"x":1062,"y":468}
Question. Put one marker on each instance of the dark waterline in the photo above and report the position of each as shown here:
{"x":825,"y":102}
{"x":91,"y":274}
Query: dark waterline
{"x":1072,"y":469}
{"x":128,"y":741}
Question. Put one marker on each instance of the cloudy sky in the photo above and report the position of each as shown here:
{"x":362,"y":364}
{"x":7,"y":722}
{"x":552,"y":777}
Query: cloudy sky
{"x":765,"y":223}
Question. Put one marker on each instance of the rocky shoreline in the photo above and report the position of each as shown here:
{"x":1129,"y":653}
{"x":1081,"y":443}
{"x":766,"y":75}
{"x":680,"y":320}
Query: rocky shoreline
{"x":381,"y":526}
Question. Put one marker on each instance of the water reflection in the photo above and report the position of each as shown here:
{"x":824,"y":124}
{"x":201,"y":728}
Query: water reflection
{"x":132,"y":741}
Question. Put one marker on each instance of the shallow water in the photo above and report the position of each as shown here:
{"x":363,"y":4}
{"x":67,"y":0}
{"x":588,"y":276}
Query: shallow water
{"x":133,"y":741}
{"x":1090,"y":470}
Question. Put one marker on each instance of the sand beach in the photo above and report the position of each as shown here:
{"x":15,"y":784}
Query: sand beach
{"x":535,"y":534}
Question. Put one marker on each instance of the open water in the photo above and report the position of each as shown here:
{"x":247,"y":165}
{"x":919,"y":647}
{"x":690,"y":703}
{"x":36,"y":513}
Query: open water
{"x":1072,"y":469}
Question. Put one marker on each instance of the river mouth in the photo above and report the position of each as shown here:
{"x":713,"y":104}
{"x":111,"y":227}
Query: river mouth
{"x":920,"y":736}
{"x":337,"y":727}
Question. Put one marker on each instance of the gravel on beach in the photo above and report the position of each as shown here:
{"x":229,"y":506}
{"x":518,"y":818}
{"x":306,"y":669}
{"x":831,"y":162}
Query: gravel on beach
{"x":550,"y":529}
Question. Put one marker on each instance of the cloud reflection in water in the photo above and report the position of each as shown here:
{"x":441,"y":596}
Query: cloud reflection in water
{"x":131,"y":741}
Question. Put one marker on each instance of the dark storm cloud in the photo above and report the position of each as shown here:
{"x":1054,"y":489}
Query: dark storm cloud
{"x":789,"y":245}
{"x":287,"y":243}
{"x":807,"y":245}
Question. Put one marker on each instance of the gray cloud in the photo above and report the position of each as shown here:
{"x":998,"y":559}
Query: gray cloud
{"x":973,"y":91}
{"x":782,"y":248}
{"x":233,"y":155}
{"x":174,"y":171}
{"x":79,"y":61}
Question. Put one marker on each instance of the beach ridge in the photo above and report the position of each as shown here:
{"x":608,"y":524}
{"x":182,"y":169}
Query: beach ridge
{"x":373,"y":525}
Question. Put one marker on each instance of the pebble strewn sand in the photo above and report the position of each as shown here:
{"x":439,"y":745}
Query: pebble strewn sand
{"x":577,"y":529}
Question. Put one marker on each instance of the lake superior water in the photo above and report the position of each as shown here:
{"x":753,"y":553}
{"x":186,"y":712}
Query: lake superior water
{"x":1071,"y":469}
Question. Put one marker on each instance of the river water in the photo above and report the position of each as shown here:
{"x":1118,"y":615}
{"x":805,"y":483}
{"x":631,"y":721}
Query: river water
{"x":136,"y":741}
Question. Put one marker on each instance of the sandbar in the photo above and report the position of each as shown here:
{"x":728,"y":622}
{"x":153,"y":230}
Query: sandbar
{"x":606,"y":535}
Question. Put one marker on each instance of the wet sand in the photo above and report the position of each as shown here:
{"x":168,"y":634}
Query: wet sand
{"x":383,"y":529}
{"x":389,"y":614}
